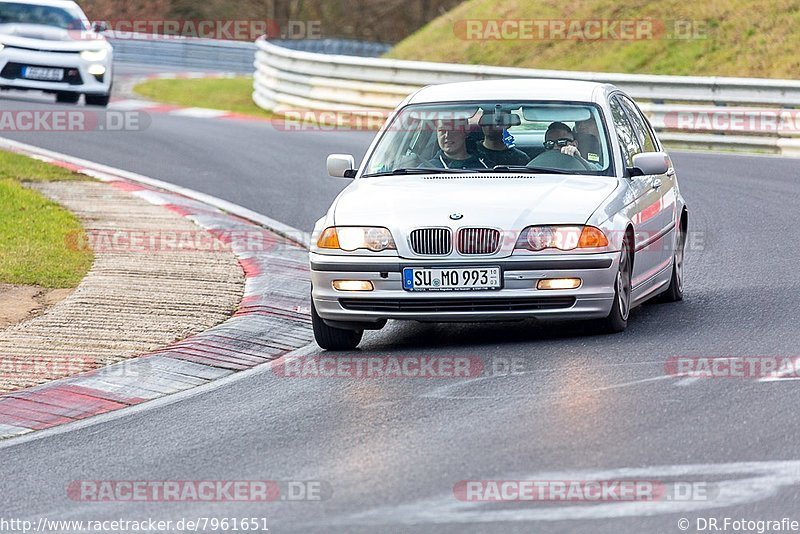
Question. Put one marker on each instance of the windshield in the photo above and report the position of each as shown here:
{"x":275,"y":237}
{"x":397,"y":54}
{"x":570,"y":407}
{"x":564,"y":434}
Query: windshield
{"x":59,"y":17}
{"x":485,"y":136}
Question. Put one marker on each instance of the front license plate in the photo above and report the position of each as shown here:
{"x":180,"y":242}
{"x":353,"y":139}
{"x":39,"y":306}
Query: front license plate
{"x":41,"y":73}
{"x":456,"y":279}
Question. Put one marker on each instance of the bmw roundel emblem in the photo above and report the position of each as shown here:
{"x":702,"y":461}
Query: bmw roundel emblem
{"x":456,"y":216}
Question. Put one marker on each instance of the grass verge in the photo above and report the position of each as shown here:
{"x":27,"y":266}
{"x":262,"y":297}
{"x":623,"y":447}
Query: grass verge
{"x":35,"y":232}
{"x":225,"y":94}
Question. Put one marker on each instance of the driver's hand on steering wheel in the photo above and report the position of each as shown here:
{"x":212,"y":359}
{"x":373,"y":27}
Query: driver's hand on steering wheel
{"x":570,"y":150}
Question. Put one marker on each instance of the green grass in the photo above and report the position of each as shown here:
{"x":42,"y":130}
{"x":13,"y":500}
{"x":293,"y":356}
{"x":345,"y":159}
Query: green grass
{"x":22,"y":168}
{"x":226,"y":94}
{"x":738,"y":38}
{"x":35,"y":232}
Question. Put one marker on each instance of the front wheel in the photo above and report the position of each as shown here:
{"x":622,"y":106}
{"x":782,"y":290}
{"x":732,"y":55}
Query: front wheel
{"x":68,"y":98}
{"x":98,"y":100}
{"x":330,"y":338}
{"x":617,"y":320}
{"x":674,"y":292}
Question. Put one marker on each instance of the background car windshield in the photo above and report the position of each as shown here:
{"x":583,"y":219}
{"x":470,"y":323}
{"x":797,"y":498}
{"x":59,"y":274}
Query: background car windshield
{"x":15,"y":13}
{"x":482,"y":135}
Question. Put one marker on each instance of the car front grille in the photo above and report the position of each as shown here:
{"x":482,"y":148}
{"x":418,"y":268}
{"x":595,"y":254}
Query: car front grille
{"x":474,"y":241}
{"x":432,"y":241}
{"x":434,"y":305}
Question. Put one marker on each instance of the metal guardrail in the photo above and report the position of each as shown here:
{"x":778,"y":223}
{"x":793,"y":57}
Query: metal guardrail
{"x":185,"y":54}
{"x":685,"y":110}
{"x":191,"y":54}
{"x":344,"y":47}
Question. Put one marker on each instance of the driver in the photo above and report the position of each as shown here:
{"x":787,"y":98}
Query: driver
{"x":451,"y":134}
{"x":561,"y":150}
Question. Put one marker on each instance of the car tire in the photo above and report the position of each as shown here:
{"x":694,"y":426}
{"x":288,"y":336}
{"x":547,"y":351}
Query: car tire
{"x":617,"y":320}
{"x":98,"y":100}
{"x":68,"y":98}
{"x":330,"y":338}
{"x":674,"y":292}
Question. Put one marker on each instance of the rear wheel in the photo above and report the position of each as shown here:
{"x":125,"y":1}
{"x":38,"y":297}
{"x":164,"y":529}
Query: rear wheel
{"x":97,"y":100}
{"x":617,"y":320}
{"x":330,"y":338}
{"x":68,"y":98}
{"x":674,"y":292}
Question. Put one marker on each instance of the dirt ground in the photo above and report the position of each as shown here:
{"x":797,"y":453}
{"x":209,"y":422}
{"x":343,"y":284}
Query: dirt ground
{"x":20,"y":303}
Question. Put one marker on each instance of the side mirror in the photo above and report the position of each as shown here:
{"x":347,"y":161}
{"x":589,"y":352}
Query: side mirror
{"x":648,"y":163}
{"x":342,"y":166}
{"x":99,"y":26}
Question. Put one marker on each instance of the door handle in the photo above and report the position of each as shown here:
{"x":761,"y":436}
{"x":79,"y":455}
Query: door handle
{"x":656,"y":183}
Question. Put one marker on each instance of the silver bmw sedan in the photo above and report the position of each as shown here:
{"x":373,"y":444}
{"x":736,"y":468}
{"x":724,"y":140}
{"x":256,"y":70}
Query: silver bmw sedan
{"x":500,"y":200}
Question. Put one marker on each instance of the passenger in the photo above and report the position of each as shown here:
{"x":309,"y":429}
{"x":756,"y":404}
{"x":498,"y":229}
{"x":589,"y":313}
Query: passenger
{"x":560,"y":145}
{"x":451,"y":135}
{"x":493,"y":148}
{"x":588,"y":138}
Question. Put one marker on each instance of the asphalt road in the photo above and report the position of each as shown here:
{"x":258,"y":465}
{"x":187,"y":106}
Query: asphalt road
{"x":577,"y":407}
{"x":254,"y":164}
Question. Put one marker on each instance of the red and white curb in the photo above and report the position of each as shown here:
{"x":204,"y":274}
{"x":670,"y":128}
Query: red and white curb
{"x":272,"y":321}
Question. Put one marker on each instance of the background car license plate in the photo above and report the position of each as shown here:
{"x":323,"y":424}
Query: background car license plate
{"x":455,"y":279}
{"x":41,"y":73}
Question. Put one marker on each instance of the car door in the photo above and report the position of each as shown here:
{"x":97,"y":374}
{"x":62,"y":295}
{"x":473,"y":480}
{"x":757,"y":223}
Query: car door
{"x":646,"y":197}
{"x":660,"y":200}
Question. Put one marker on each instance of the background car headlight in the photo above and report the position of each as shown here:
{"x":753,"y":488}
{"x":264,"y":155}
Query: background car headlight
{"x":561,"y":237}
{"x":94,"y":55}
{"x":350,"y":238}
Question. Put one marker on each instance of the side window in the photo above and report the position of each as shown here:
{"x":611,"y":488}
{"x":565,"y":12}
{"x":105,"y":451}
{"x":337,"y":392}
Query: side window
{"x":625,"y":132}
{"x":640,"y":125}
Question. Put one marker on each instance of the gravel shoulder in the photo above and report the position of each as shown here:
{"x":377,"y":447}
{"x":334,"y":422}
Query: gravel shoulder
{"x":134,"y":299}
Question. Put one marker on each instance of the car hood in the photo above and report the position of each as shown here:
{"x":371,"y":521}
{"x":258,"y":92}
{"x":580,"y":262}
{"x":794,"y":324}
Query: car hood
{"x":38,"y":36}
{"x":506,"y":202}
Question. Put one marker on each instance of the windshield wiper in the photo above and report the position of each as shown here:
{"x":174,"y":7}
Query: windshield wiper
{"x":419,"y":170}
{"x":520,"y":168}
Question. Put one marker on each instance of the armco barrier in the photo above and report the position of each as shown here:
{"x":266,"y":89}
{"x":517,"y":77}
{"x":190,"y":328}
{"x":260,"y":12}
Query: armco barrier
{"x":294,"y":79}
{"x":185,"y":54}
{"x":190,"y":54}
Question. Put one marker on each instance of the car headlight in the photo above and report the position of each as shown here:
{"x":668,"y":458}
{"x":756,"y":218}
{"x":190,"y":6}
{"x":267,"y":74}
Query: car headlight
{"x":94,"y":55}
{"x":350,"y":238}
{"x":561,"y":237}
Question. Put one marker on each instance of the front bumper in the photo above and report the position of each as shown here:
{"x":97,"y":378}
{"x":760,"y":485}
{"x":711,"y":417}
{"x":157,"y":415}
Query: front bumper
{"x":77,"y":78}
{"x":518,"y":299}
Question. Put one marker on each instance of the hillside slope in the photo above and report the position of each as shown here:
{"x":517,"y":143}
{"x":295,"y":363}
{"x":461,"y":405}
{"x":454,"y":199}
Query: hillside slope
{"x":714,"y":37}
{"x":386,"y":21}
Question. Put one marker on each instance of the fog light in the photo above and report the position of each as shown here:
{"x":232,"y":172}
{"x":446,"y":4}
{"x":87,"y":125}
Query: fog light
{"x":559,"y":283}
{"x":97,"y":70}
{"x":352,"y":285}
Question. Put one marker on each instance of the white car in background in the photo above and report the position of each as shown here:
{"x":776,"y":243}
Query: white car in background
{"x":50,"y":46}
